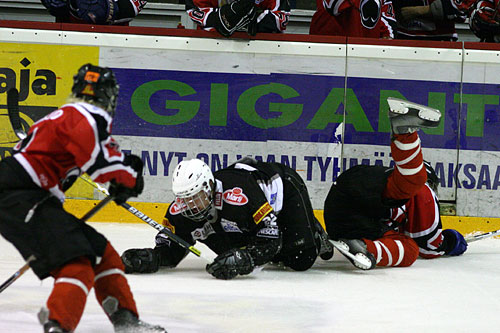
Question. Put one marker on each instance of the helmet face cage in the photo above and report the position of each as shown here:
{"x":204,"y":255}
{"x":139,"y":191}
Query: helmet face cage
{"x":193,"y":186}
{"x":97,"y":84}
{"x":197,"y":207}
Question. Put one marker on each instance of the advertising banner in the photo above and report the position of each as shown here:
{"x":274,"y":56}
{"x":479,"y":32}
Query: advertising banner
{"x":43,"y":74}
{"x":317,"y":114}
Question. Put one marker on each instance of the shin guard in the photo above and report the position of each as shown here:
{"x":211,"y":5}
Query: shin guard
{"x":393,"y":249}
{"x":409,"y":174}
{"x":110,"y":280}
{"x":72,"y":284}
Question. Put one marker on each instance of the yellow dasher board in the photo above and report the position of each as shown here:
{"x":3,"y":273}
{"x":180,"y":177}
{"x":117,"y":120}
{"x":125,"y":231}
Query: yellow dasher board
{"x":43,"y":74}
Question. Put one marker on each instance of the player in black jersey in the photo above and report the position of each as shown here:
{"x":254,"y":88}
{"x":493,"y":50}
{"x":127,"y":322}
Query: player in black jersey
{"x":250,"y":213}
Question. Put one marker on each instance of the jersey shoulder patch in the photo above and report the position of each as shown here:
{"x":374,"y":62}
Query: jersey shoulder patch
{"x":262,"y":212}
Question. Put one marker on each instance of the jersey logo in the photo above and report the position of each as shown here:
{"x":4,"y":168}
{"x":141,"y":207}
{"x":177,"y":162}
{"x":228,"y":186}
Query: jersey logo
{"x":218,"y":200}
{"x":198,"y":14}
{"x":235,"y":196}
{"x":204,"y":232}
{"x":369,"y":10}
{"x":175,"y":209}
{"x":273,"y":198}
{"x":262,"y":212}
{"x":166,"y":223}
{"x":229,"y":226}
{"x":268,"y":233}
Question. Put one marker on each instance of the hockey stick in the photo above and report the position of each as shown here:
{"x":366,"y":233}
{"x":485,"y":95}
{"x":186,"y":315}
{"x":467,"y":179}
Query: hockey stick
{"x":471,"y":239}
{"x":151,"y":222}
{"x":26,"y":266}
{"x":17,"y":274}
{"x":13,"y":111}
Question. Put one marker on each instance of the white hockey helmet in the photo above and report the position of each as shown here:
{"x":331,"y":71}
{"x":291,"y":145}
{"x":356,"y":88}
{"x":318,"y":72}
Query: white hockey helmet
{"x":193,"y":185}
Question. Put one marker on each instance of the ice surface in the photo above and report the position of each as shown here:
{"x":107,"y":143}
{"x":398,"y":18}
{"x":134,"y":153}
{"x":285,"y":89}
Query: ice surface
{"x":456,"y":294}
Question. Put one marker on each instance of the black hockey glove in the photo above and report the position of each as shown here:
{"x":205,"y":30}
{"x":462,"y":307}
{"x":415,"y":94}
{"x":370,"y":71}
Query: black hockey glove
{"x":231,"y":263}
{"x":141,"y":261}
{"x":122,"y":193}
{"x":234,"y":16}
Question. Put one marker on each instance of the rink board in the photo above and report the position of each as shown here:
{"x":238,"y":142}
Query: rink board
{"x":320,"y":108}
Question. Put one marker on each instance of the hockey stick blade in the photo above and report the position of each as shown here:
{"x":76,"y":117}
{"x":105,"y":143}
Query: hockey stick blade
{"x":13,"y":111}
{"x":471,"y":239}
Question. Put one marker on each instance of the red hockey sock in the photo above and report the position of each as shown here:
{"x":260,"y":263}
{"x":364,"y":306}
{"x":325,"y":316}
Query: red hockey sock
{"x":72,"y":284}
{"x":393,"y":249}
{"x":110,"y":280}
{"x":409,"y":173}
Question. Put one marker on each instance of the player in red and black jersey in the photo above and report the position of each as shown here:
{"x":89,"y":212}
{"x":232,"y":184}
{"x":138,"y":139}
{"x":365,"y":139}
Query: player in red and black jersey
{"x":354,"y":18}
{"x":116,"y":12}
{"x":391,"y":216}
{"x":484,"y":19}
{"x":58,"y":148}
{"x":250,"y":213}
{"x":228,"y":16}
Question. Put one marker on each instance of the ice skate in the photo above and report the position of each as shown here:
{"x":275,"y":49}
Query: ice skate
{"x":49,"y":326}
{"x":355,"y":250}
{"x":53,"y":327}
{"x":124,"y":321}
{"x":408,"y":117}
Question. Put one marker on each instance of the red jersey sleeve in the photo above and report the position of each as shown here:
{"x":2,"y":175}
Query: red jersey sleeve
{"x":424,"y":223}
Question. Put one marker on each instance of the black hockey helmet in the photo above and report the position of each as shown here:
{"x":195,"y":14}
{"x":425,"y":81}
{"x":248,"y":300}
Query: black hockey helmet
{"x":432,"y":178}
{"x":97,"y":84}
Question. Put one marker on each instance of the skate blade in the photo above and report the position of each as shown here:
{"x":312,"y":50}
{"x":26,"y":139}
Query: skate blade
{"x":359,"y":260}
{"x":400,"y":106}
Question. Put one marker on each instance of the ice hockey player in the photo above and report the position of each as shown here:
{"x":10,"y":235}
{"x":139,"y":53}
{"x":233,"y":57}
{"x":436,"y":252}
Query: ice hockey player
{"x":250,"y":213}
{"x":228,"y":16}
{"x":387,"y":217}
{"x":58,"y":148}
{"x":102,"y":12}
{"x":484,"y":20}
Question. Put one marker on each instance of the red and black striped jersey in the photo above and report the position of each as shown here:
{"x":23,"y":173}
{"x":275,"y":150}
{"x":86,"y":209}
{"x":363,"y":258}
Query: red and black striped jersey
{"x":421,"y":221}
{"x":69,"y":141}
{"x":354,"y":18}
